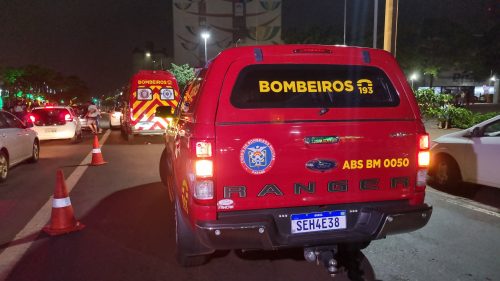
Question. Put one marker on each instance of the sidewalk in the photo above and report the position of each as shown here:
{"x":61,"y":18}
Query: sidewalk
{"x":433,"y":130}
{"x":483,"y":107}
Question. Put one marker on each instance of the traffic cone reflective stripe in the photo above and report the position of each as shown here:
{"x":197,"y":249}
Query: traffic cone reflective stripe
{"x":96,"y":154}
{"x":61,"y":203}
{"x":62,"y":219}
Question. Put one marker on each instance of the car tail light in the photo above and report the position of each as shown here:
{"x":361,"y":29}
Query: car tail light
{"x":204,"y":168}
{"x":68,"y":117}
{"x":203,"y":149}
{"x":204,"y":190}
{"x":32,"y":118}
{"x":423,"y":151}
{"x":202,"y":153}
{"x":423,"y":159}
{"x":423,"y":142}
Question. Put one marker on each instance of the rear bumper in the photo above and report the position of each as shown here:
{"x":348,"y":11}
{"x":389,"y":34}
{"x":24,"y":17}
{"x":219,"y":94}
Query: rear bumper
{"x":270,"y":229}
{"x":53,"y":133}
{"x":148,"y":132}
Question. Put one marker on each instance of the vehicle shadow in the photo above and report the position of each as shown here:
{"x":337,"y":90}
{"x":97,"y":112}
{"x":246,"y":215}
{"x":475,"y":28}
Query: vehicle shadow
{"x":130,"y":235}
{"x":479,"y":193}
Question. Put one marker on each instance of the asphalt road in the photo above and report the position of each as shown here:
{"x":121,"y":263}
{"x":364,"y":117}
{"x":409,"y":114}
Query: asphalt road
{"x":129,"y":233}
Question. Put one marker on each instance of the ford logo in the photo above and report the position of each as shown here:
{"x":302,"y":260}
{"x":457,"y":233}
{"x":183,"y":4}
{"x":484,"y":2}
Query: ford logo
{"x":321,"y":165}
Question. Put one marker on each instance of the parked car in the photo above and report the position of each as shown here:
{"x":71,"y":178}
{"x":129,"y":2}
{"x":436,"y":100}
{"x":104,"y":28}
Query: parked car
{"x":115,"y":116}
{"x":17,"y":143}
{"x":81,"y":111}
{"x":56,"y":122}
{"x":471,"y":155}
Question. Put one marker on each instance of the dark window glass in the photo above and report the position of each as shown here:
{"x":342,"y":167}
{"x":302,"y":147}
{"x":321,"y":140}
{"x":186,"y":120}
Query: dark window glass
{"x":3,"y":120}
{"x":12,"y":121}
{"x":312,"y":86}
{"x":492,"y":129}
{"x":49,"y":116}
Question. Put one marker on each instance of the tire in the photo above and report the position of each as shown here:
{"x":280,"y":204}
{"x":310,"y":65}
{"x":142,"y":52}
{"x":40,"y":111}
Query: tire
{"x":4,"y":166}
{"x":77,"y":138}
{"x":35,"y":154}
{"x":163,"y":167}
{"x":130,"y":137}
{"x":189,"y":251}
{"x":166,"y":173}
{"x":446,"y":173}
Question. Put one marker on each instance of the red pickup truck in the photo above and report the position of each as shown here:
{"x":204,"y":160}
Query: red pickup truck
{"x":306,"y":146}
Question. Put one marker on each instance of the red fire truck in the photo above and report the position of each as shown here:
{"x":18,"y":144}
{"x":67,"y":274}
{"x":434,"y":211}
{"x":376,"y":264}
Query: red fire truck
{"x":148,"y":92}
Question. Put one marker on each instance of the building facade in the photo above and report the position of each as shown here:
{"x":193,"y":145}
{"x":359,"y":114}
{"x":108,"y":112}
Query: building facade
{"x":227,"y":22}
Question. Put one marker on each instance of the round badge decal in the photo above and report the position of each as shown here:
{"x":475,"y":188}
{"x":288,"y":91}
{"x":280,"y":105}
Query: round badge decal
{"x":257,"y":156}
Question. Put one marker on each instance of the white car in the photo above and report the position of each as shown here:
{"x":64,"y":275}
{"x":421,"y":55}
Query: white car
{"x":471,"y":155}
{"x":115,"y":116}
{"x":17,"y":143}
{"x":56,"y":122}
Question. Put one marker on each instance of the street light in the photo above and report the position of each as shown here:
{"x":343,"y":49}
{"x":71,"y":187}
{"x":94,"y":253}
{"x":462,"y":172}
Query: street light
{"x":413,"y":77}
{"x":205,"y":36}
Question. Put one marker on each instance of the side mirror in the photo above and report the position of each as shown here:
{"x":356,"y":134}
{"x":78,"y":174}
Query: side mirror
{"x":477,"y":132}
{"x":164,"y":112}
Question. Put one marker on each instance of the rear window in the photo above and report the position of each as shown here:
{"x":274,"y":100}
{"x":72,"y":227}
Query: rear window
{"x":312,"y":86}
{"x":50,"y":116}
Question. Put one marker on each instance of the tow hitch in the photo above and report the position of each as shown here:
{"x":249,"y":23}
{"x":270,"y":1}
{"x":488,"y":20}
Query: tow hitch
{"x":325,"y":256}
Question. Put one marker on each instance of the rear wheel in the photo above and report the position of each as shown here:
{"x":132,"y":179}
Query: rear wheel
{"x":166,"y":173}
{"x":130,"y":137}
{"x":188,"y":246}
{"x":446,"y":172}
{"x":78,"y":137}
{"x":4,"y":166}
{"x":35,"y":154}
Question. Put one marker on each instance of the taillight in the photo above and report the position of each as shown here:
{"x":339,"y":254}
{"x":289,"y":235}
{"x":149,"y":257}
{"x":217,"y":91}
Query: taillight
{"x":204,"y":190}
{"x":423,"y":151}
{"x":202,"y":152}
{"x":204,"y":168}
{"x":423,"y":160}
{"x":203,"y":149}
{"x":32,"y":118}
{"x":423,"y":142}
{"x":68,"y":117}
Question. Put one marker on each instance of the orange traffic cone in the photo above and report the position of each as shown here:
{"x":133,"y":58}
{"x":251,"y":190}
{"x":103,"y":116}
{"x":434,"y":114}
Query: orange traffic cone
{"x":62,"y":219}
{"x":96,"y":154}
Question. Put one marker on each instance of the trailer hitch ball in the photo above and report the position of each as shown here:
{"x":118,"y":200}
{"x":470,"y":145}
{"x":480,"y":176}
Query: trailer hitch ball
{"x":310,"y":255}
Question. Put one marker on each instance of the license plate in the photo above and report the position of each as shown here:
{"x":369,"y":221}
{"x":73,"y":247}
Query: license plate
{"x":322,"y":221}
{"x":50,"y":131}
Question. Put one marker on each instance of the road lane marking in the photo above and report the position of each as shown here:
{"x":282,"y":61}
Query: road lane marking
{"x":468,"y":204}
{"x":20,"y":244}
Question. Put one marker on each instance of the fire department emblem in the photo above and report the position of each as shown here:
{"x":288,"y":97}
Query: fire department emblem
{"x":257,"y":156}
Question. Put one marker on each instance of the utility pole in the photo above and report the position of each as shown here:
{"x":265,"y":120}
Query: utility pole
{"x":391,"y":24}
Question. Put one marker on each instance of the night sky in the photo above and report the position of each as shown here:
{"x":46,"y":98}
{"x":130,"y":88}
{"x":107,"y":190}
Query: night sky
{"x":94,"y":39}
